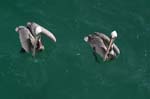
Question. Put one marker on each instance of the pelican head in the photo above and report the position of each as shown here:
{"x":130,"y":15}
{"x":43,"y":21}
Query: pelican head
{"x":38,"y":30}
{"x":28,"y":23}
{"x":17,"y":28}
{"x":86,"y":39}
{"x":113,"y":34}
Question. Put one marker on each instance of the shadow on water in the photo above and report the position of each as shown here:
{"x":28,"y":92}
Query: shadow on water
{"x":97,"y":58}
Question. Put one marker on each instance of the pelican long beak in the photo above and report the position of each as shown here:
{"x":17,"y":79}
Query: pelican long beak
{"x":113,"y":37}
{"x":49,"y":34}
{"x":110,"y":44}
{"x":34,"y":46}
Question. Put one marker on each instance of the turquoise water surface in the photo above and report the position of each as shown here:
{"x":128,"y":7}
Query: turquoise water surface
{"x":67,"y":69}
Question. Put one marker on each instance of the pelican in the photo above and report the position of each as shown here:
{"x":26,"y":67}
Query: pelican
{"x":30,"y":37}
{"x":103,"y":45}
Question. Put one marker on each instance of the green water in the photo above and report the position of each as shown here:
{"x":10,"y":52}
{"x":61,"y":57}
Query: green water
{"x":67,"y":69}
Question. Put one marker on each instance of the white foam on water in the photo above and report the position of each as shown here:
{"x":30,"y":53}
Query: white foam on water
{"x":78,"y":54}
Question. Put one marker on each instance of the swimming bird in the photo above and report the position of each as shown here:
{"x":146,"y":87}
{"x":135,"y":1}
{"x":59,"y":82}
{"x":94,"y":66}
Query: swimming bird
{"x":103,"y":45}
{"x":30,"y":37}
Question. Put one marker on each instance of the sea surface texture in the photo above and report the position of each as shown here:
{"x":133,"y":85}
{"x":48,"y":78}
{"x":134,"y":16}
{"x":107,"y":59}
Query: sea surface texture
{"x":68,"y":69}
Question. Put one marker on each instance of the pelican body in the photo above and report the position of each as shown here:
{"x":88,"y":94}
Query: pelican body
{"x":100,"y":43}
{"x":30,"y":37}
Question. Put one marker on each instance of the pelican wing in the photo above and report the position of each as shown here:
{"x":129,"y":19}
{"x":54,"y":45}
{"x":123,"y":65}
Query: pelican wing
{"x":116,"y":49}
{"x":107,"y":40}
{"x":99,"y":42}
{"x":103,"y":36}
{"x":24,"y":38}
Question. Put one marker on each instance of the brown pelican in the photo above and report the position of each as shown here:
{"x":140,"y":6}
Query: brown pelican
{"x":103,"y":45}
{"x":30,"y":37}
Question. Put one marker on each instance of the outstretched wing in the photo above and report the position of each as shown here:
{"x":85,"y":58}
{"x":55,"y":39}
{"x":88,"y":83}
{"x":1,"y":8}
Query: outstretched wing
{"x":24,"y":37}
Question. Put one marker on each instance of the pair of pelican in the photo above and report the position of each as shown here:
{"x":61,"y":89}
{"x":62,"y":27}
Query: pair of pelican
{"x":30,"y":39}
